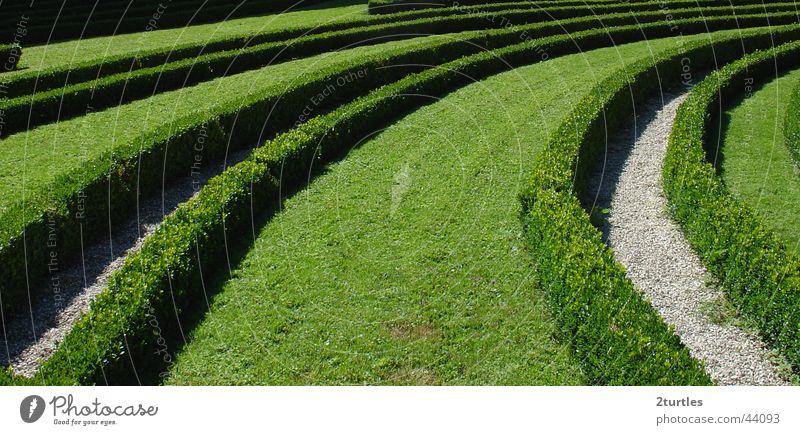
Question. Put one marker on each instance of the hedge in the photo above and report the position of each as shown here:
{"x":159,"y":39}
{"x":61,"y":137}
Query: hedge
{"x":57,"y":211}
{"x":116,"y":339}
{"x":9,"y":56}
{"x":791,"y":125}
{"x":43,"y":80}
{"x":26,"y":112}
{"x":137,"y":167}
{"x":616,"y":334}
{"x":756,"y":271}
{"x":54,"y":216}
{"x":27,"y":83}
{"x":49,"y":26}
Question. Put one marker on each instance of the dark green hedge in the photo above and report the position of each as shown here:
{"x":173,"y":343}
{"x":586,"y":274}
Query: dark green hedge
{"x":9,"y":56}
{"x":58,"y":77}
{"x":616,"y":334}
{"x":116,"y":338}
{"x":110,"y":183}
{"x":26,"y":112}
{"x":138,"y":167}
{"x":758,"y":274}
{"x":792,"y":124}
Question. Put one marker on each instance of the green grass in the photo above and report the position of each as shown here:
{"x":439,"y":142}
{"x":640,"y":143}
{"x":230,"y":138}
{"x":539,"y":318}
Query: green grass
{"x":757,"y":166}
{"x":30,"y":161}
{"x":404,"y":262}
{"x":79,"y":51}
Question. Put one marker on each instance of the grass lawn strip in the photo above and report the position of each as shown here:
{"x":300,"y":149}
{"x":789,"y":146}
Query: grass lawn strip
{"x":91,"y":69}
{"x":757,"y":165}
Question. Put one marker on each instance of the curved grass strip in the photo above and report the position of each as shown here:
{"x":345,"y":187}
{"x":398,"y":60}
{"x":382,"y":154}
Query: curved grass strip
{"x":53,"y":208}
{"x":754,"y":161}
{"x":26,"y":112}
{"x":617,"y":335}
{"x":304,"y":41}
{"x":791,"y":124}
{"x":114,"y":339}
{"x":757,"y":273}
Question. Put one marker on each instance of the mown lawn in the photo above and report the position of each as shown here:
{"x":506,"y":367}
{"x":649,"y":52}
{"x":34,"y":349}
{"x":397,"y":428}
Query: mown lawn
{"x":757,"y":166}
{"x":403,"y":263}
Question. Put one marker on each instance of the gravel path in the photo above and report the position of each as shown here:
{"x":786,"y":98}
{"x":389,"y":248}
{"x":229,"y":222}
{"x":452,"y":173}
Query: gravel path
{"x":31,"y":339}
{"x":659,"y":260}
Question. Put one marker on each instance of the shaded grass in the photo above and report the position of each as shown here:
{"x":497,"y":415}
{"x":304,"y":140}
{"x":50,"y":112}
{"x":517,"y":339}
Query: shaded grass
{"x":757,"y":166}
{"x":403,"y":264}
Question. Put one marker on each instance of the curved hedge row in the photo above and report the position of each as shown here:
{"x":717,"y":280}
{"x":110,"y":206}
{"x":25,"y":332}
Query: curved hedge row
{"x":114,"y":339}
{"x":26,"y":83}
{"x":42,"y":80}
{"x":46,"y":26}
{"x":23,"y":113}
{"x":758,"y":274}
{"x":9,"y":56}
{"x":616,"y":334}
{"x":791,"y":125}
{"x":163,"y":152}
{"x":58,"y":211}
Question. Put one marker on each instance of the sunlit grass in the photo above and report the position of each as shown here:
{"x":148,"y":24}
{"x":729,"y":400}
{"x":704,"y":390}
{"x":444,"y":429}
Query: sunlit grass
{"x":403,"y":263}
{"x":757,"y":165}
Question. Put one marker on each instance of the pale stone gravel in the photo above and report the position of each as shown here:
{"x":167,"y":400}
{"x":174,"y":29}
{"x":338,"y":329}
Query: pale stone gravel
{"x":658,"y":258}
{"x":32,"y":338}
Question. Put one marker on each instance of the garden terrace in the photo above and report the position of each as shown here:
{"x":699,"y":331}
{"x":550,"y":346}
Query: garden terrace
{"x":398,"y":198}
{"x":756,"y":270}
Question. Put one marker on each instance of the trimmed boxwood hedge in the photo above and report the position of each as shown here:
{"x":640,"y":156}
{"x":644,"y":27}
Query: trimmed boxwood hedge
{"x":757,"y":272}
{"x":111,"y":182}
{"x":9,"y":56}
{"x":29,"y":111}
{"x":27,"y":83}
{"x":618,"y":337}
{"x":56,"y":77}
{"x":791,"y":125}
{"x":139,"y":168}
{"x":116,"y":338}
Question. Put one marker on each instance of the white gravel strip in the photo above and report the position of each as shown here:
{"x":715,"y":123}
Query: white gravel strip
{"x":659,"y":260}
{"x":33,"y":337}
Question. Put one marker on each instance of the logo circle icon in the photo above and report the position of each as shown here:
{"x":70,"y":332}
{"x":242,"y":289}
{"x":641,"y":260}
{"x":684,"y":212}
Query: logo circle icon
{"x":31,"y":408}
